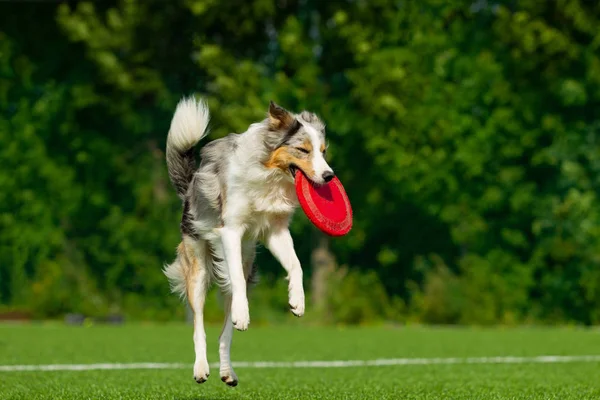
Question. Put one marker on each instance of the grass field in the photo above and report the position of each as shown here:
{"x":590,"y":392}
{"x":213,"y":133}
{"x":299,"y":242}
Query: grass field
{"x":41,"y":344}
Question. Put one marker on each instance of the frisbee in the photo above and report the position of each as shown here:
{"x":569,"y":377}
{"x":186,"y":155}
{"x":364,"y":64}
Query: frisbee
{"x":326,"y":206}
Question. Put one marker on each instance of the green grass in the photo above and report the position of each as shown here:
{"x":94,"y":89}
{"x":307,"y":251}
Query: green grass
{"x":56,"y":344}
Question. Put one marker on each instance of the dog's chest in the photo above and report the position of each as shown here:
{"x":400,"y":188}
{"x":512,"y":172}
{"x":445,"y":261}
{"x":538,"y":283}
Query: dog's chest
{"x":274,"y":199}
{"x":269,"y":206}
{"x":260,"y":223}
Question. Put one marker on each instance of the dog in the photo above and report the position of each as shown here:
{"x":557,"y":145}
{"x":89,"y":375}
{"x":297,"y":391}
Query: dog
{"x":242,"y":191}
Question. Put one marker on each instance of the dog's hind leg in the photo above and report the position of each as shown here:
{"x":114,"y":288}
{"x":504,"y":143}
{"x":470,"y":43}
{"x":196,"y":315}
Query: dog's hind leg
{"x":226,"y":370}
{"x":197,"y":281}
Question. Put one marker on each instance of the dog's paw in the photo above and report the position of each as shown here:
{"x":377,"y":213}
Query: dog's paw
{"x":201,"y":371}
{"x":240,"y":315}
{"x":296,"y":302}
{"x":229,"y":377}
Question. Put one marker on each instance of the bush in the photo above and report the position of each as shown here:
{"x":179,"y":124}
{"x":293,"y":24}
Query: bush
{"x":440,"y":301}
{"x":487,"y":290}
{"x":356,"y":297}
{"x":59,"y":288}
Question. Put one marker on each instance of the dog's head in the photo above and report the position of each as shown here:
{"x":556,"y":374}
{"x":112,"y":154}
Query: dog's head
{"x":297,"y":142}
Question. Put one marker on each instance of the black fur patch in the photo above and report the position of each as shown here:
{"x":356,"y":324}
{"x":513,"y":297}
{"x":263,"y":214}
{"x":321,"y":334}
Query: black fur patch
{"x":187,"y":228}
{"x":189,"y":161}
{"x":294,"y":128}
{"x":181,"y":168}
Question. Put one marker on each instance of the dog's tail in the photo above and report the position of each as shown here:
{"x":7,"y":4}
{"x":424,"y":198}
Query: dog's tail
{"x":188,"y":127}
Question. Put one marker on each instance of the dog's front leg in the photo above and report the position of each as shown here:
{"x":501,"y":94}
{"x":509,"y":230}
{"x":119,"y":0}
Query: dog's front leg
{"x":280,"y":244}
{"x":232,"y":247}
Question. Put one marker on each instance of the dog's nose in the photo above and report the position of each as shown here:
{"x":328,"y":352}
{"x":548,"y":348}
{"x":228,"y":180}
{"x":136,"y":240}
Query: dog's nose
{"x":328,"y":176}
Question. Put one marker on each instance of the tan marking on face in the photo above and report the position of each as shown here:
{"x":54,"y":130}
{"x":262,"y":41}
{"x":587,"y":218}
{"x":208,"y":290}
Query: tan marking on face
{"x":282,"y":159}
{"x":307,"y":144}
{"x":322,"y":147}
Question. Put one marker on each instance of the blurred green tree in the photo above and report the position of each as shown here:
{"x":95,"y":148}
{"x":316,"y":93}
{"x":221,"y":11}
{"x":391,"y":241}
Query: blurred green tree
{"x":465,"y":134}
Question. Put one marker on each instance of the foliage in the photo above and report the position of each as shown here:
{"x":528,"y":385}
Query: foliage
{"x":355,"y":297}
{"x":465,"y":134}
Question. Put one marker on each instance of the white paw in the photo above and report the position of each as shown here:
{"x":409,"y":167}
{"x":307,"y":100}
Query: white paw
{"x":229,"y":377}
{"x":201,"y":371}
{"x":296,"y":301}
{"x":240,"y":315}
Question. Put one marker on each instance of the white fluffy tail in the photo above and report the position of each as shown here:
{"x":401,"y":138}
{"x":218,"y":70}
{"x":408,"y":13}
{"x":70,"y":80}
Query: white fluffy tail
{"x":188,"y":126}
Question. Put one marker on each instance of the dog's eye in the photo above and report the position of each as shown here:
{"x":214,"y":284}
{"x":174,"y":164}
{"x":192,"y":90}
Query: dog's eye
{"x":303,"y":150}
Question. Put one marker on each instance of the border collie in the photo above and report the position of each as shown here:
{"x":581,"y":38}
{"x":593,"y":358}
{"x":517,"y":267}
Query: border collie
{"x":242,"y":191}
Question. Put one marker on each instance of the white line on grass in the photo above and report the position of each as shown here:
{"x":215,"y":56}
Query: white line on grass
{"x":90,"y":367}
{"x":313,"y":364}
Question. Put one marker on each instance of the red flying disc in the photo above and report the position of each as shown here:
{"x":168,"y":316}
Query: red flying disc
{"x":326,"y":206}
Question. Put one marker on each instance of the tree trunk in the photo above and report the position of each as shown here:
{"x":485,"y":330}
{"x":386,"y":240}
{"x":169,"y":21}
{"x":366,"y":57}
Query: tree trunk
{"x":323,"y":264}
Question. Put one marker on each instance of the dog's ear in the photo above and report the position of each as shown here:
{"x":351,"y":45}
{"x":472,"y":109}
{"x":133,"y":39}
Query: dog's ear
{"x":279,"y":117}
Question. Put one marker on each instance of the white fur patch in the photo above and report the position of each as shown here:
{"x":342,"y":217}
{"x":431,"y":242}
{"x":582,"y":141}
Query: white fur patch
{"x":176,"y":275}
{"x":218,"y":269}
{"x":320,"y":166}
{"x":189,"y":124}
